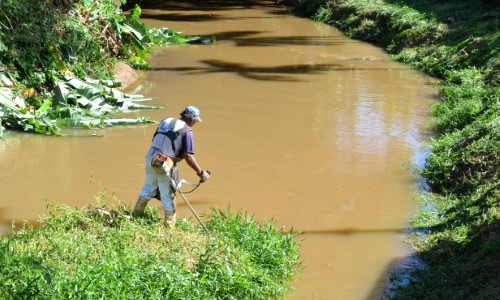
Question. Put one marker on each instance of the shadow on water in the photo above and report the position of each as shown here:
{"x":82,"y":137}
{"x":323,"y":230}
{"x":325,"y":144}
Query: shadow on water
{"x":233,"y":35}
{"x":349,"y":231}
{"x":205,"y":17}
{"x":260,"y":73}
{"x":186,"y":5}
{"x":200,"y":16}
{"x":474,"y":265}
{"x":243,"y":38}
{"x":386,"y":285}
{"x":292,"y":40}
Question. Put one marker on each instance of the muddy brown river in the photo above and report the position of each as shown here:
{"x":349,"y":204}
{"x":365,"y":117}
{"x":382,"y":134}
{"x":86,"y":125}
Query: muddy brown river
{"x":300,"y":124}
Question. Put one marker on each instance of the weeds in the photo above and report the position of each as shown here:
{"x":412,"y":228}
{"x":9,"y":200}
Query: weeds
{"x":98,"y":252}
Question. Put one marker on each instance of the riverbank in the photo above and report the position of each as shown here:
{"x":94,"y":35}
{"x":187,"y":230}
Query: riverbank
{"x":56,"y":70}
{"x":457,"y":232}
{"x":100,"y":252}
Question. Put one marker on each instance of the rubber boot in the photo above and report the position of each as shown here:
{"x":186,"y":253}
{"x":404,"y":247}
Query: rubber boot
{"x":170,"y":219}
{"x":140,"y":206}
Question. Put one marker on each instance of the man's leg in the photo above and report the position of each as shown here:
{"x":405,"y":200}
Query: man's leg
{"x":147,"y":192}
{"x":167,"y":200}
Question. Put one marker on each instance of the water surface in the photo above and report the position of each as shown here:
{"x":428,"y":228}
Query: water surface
{"x":300,"y":124}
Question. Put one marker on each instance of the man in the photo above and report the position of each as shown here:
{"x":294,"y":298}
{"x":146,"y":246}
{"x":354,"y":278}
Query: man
{"x":172,"y":142}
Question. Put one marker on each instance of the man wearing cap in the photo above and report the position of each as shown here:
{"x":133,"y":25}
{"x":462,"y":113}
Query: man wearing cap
{"x":172,"y":142}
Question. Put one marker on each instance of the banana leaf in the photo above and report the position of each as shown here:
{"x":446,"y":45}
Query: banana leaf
{"x":114,"y":122}
{"x":96,"y":97}
{"x":75,"y":103}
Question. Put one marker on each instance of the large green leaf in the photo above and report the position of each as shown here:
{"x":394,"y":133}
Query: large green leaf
{"x":75,"y":103}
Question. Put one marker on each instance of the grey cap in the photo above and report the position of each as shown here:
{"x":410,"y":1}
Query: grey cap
{"x":191,"y":112}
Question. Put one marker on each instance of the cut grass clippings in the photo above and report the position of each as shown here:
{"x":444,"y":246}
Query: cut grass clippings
{"x":103,"y":253}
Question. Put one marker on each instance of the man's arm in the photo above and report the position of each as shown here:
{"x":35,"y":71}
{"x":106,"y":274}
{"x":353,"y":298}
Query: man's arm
{"x":191,"y":161}
{"x":188,"y":147}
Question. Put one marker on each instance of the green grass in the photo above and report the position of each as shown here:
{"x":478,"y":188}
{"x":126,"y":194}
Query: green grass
{"x":103,"y":253}
{"x":457,"y":41}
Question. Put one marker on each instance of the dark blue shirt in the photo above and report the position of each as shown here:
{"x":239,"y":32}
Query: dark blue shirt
{"x":188,"y":142}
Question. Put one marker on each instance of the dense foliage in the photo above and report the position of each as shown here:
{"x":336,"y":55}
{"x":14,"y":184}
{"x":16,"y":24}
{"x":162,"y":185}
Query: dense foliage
{"x":48,"y":46}
{"x":101,"y":253}
{"x":457,"y":41}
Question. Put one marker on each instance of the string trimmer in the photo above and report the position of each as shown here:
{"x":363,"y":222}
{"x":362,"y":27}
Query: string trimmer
{"x":177,"y":188}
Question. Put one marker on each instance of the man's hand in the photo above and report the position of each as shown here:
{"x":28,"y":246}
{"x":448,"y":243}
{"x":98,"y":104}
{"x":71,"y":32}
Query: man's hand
{"x":204,"y":176}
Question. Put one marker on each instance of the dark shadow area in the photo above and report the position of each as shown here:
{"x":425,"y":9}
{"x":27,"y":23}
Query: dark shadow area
{"x":233,"y":35}
{"x":200,"y":16}
{"x":262,"y":73}
{"x":453,"y":11}
{"x":243,"y":39}
{"x":456,"y":270}
{"x":396,"y":273}
{"x":469,"y":269}
{"x":291,"y":40}
{"x":174,"y":17}
{"x":280,"y":12}
{"x":186,"y":5}
{"x":203,"y":11}
{"x":247,"y":71}
{"x":349,"y":231}
{"x":475,"y":18}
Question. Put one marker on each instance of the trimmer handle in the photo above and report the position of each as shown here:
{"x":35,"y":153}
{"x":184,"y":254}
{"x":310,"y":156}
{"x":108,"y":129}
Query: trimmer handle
{"x":209,"y":174}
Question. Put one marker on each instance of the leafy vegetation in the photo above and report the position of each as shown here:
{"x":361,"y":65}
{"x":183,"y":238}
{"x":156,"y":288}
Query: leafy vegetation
{"x":457,"y":41}
{"x":104,"y":253}
{"x":46,"y":46}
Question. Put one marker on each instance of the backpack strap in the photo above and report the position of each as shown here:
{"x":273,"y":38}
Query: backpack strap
{"x":171,"y":133}
{"x":171,"y":127}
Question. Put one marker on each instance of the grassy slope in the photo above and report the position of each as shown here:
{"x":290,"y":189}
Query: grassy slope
{"x":99,"y":253}
{"x":459,"y":42}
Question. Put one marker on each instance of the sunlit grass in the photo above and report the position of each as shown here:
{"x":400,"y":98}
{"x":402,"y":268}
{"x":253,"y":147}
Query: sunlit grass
{"x":103,"y":253}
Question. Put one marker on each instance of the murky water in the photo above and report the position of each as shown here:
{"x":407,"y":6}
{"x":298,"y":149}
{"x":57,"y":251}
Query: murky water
{"x":300,"y":124}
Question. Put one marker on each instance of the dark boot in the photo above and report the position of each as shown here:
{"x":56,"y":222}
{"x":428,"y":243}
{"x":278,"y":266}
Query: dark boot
{"x":140,"y":206}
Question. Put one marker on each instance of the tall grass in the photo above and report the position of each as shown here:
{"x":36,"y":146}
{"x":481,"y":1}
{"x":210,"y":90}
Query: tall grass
{"x":103,"y":253}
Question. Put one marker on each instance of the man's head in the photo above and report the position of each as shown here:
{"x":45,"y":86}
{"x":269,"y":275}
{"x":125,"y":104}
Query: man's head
{"x":191,"y":115}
